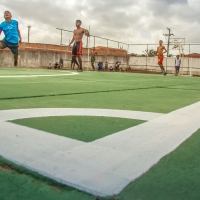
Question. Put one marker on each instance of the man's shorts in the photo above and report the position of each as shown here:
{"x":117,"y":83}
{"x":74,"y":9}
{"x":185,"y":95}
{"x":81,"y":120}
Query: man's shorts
{"x":12,"y":47}
{"x":92,"y":60}
{"x":177,"y":68}
{"x":160,"y":59}
{"x":77,"y":48}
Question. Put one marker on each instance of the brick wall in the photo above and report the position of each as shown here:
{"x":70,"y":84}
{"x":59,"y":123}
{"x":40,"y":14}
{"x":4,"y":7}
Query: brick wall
{"x":57,"y":48}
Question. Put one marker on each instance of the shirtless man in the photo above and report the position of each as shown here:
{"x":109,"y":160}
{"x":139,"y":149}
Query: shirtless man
{"x":77,"y":47}
{"x":160,"y":51}
{"x":93,"y":54}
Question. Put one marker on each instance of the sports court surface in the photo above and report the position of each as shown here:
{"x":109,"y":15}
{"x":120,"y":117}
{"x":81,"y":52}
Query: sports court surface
{"x":119,"y":136}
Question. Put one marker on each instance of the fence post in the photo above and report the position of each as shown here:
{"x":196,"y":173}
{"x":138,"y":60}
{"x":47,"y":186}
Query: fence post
{"x":107,"y":51}
{"x":189,"y":63}
{"x":189,"y":48}
{"x":146,"y":57}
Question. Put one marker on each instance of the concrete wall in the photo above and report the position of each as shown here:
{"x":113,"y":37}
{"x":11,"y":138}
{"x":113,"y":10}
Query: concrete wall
{"x":150,"y":64}
{"x":41,"y":59}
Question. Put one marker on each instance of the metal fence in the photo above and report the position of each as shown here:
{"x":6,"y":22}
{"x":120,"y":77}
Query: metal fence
{"x":140,"y":49}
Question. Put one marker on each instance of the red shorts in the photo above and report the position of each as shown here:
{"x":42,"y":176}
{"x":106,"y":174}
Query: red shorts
{"x":77,"y":48}
{"x":160,"y":59}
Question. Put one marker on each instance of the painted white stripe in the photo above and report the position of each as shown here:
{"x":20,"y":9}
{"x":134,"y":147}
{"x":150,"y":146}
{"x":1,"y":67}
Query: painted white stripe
{"x":105,"y":166}
{"x":6,"y":115}
{"x":40,"y":75}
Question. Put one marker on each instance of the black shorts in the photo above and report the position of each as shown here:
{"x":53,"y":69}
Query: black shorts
{"x":77,"y":48}
{"x":92,"y":60}
{"x":12,"y":47}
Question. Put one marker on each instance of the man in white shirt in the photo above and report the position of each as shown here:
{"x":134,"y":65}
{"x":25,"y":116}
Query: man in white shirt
{"x":177,"y":65}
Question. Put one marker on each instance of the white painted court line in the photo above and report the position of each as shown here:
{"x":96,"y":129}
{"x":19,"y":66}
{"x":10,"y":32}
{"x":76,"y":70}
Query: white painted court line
{"x":6,"y":115}
{"x":103,"y":167}
{"x":40,"y":75}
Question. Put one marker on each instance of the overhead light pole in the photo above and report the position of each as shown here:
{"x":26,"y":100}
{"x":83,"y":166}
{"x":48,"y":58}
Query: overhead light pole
{"x":29,"y":28}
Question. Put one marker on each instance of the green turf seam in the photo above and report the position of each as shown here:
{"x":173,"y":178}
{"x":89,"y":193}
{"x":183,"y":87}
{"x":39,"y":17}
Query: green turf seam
{"x":93,"y":92}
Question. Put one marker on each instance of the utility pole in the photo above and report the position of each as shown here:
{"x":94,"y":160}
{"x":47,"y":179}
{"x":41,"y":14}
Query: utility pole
{"x":61,"y":37}
{"x":168,"y":43}
{"x":29,"y":27}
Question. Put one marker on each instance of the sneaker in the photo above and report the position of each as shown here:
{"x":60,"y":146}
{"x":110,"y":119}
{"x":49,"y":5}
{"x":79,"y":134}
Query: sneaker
{"x":15,"y":63}
{"x":165,"y":74}
{"x":80,"y":70}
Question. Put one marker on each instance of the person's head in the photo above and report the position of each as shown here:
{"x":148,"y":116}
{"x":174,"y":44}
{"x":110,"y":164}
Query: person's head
{"x":177,"y":56}
{"x":93,"y":48}
{"x":78,"y":23}
{"x":7,"y":15}
{"x":160,"y":42}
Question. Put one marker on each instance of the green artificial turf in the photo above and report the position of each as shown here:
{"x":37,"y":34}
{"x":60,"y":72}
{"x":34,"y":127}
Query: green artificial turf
{"x":86,"y":129}
{"x":142,"y":92}
{"x":175,"y":177}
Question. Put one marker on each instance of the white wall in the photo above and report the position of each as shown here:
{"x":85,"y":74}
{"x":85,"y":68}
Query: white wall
{"x":151,"y":64}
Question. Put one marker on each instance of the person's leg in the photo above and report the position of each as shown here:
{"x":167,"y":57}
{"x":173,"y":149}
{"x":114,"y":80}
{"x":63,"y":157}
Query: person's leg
{"x":71,"y":64}
{"x":14,"y":50}
{"x":1,"y":45}
{"x":80,"y":62}
{"x":75,"y":61}
{"x":92,"y":62}
{"x":178,"y":71}
{"x":15,"y":59}
{"x":93,"y":66}
{"x":162,"y":68}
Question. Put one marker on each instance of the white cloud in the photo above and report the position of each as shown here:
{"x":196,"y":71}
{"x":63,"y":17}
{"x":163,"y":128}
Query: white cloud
{"x":128,"y":21}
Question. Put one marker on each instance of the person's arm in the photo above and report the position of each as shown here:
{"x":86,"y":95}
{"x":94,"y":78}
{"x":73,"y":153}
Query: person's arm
{"x":86,"y":32}
{"x":20,"y":36}
{"x":71,"y":41}
{"x":165,"y":50}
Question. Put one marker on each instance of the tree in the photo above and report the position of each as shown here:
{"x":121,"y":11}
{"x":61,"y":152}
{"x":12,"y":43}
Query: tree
{"x":151,"y":53}
{"x":134,"y":54}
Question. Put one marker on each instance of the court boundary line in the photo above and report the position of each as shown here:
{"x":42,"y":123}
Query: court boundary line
{"x":83,"y":166}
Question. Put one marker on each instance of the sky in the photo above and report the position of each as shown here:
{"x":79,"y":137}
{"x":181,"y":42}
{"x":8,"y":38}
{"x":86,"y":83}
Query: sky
{"x":128,"y":21}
